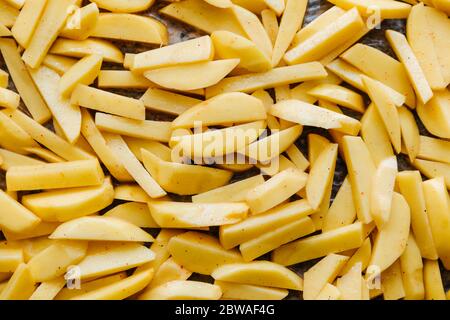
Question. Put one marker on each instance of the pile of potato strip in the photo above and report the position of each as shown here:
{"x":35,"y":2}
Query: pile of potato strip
{"x":89,"y":178}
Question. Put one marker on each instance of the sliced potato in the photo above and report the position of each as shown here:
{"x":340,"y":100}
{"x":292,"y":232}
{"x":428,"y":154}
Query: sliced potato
{"x":434,"y":289}
{"x":42,"y":229}
{"x":100,"y":229}
{"x":60,"y":64}
{"x":184,"y":290}
{"x":362,"y":256}
{"x":82,"y":23}
{"x":412,"y":271}
{"x":237,"y":291}
{"x":257,"y":225}
{"x":84,"y":71}
{"x":157,"y":148}
{"x":221,"y":109}
{"x":184,"y":179}
{"x":342,"y":211}
{"x":410,"y":133}
{"x":200,"y":253}
{"x":311,"y":115}
{"x":194,"y":215}
{"x":323,"y":272}
{"x":54,"y":260}
{"x":9,"y":99}
{"x":390,"y":242}
{"x":435,"y":115}
{"x":121,"y":289}
{"x":201,"y":74}
{"x":168,"y":102}
{"x":130,"y":27}
{"x":122,"y":79}
{"x":80,"y":49}
{"x":12,"y":159}
{"x":331,"y":37}
{"x":48,"y":290}
{"x":392,"y":283}
{"x":100,"y":100}
{"x":68,"y":204}
{"x":67,"y":115}
{"x":350,"y":284}
{"x":27,"y":20}
{"x":329,"y":292}
{"x":55,"y":175}
{"x":277,"y":237}
{"x":135,"y":213}
{"x":262,"y":273}
{"x":196,"y":50}
{"x":130,"y":192}
{"x":20,"y":286}
{"x":387,"y":9}
{"x":339,"y":95}
{"x":337,"y":240}
{"x":382,"y":191}
{"x":437,"y":204}
{"x":433,"y":169}
{"x":265,"y":80}
{"x":10,"y":259}
{"x":275,"y":190}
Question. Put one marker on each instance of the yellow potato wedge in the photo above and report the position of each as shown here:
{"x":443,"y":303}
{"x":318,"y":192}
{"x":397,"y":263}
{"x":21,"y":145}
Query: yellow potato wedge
{"x":321,"y":175}
{"x":60,"y":64}
{"x":415,"y":73}
{"x":10,"y":259}
{"x":130,"y":27}
{"x":410,"y":185}
{"x":337,"y":240}
{"x":386,"y":110}
{"x":196,"y":215}
{"x":157,"y":148}
{"x":220,"y":3}
{"x":67,"y":115}
{"x":435,"y":115}
{"x":201,"y":74}
{"x":422,"y":38}
{"x":390,"y":242}
{"x":98,"y":143}
{"x":342,"y":211}
{"x":144,"y":129}
{"x":381,"y":67}
{"x":275,"y":238}
{"x":437,"y":204}
{"x":121,"y":289}
{"x":362,"y":256}
{"x":237,"y":291}
{"x":44,"y":154}
{"x":191,"y":51}
{"x":339,"y":95}
{"x":80,"y":49}
{"x":4,"y":79}
{"x":54,"y":260}
{"x":200,"y":253}
{"x":433,"y":169}
{"x":168,"y":102}
{"x":107,"y":258}
{"x":290,"y":23}
{"x":82,"y":23}
{"x":257,"y":225}
{"x":204,"y":16}
{"x":55,"y":175}
{"x":381,"y":192}
{"x":323,"y":272}
{"x":184,"y":179}
{"x":392,"y":283}
{"x":270,"y":79}
{"x":234,"y":192}
{"x":27,"y":20}
{"x":20,"y":286}
{"x":270,"y":23}
{"x":184,"y":290}
{"x":432,"y":279}
{"x":262,"y":273}
{"x":329,"y":292}
{"x":100,"y":229}
{"x":222,"y":109}
{"x":9,"y":99}
{"x":297,"y":157}
{"x":84,"y":72}
{"x":8,"y":14}
{"x":350,"y":284}
{"x":310,"y":115}
{"x":135,"y":213}
{"x":100,"y":100}
{"x":412,"y":271}
{"x":23,"y":82}
{"x":42,"y":229}
{"x":4,"y":31}
{"x":410,"y":133}
{"x":68,"y":204}
{"x":352,"y":76}
{"x":51,"y":22}
{"x":48,"y":290}
{"x":130,"y":192}
{"x":127,"y":7}
{"x":134,"y":167}
{"x":275,"y":190}
{"x":386,"y":8}
{"x":325,"y":41}
{"x":233,"y":46}
{"x":167,"y":272}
